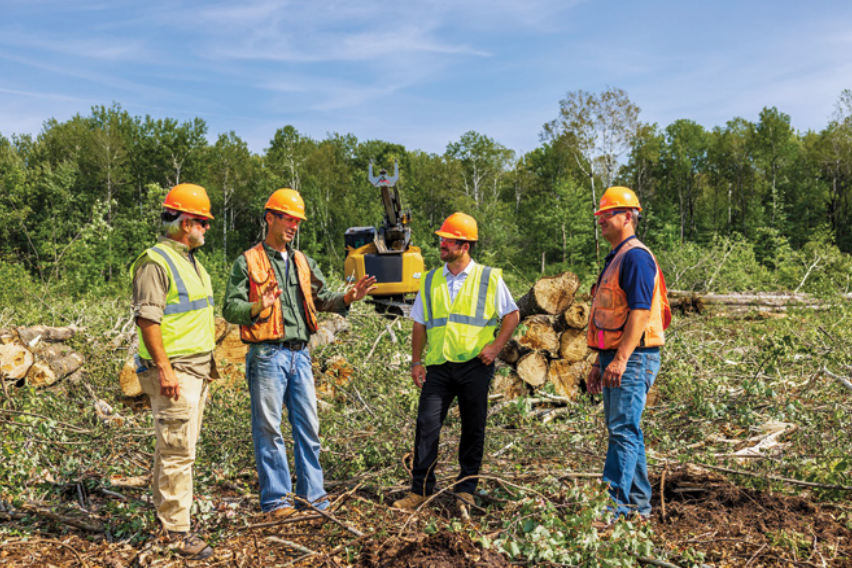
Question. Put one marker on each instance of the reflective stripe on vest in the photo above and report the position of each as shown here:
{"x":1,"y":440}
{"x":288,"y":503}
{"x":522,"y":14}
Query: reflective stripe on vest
{"x":457,"y":331}
{"x":184,"y":304}
{"x":188,"y":325}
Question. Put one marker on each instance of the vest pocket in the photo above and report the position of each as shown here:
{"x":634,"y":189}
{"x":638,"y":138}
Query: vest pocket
{"x":173,"y":428}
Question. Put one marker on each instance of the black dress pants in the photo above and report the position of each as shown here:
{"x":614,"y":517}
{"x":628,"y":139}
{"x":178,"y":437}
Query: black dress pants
{"x":469,"y":381}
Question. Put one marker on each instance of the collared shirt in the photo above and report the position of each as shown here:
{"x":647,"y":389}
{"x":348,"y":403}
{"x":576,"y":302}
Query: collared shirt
{"x":505,"y":303}
{"x":636,"y":278}
{"x":150,"y":288}
{"x":237,"y":308}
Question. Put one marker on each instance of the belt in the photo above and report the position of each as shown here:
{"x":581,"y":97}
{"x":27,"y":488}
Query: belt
{"x":293,"y":345}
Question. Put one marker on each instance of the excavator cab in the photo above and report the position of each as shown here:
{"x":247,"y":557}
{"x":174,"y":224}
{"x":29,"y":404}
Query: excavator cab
{"x":386,"y":252}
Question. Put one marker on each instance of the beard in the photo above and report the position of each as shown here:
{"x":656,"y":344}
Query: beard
{"x":450,"y":256}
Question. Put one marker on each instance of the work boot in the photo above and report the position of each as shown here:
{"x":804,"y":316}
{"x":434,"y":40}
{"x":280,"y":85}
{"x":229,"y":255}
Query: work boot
{"x":463,"y":502}
{"x":410,"y":502}
{"x":281,"y":513}
{"x":190,"y":546}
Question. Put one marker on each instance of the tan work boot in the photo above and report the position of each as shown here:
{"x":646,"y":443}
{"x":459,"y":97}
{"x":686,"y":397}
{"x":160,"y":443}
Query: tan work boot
{"x":281,"y":513}
{"x":190,"y":546}
{"x":410,"y":502}
{"x":463,"y":502}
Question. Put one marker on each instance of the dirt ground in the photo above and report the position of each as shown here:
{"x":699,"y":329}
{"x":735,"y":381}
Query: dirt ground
{"x":732,"y":526}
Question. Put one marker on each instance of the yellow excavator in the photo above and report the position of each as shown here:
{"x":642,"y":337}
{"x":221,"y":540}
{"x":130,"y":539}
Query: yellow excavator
{"x":386,"y":252}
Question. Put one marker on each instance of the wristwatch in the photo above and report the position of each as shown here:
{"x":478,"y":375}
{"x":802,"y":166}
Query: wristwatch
{"x":416,"y":363}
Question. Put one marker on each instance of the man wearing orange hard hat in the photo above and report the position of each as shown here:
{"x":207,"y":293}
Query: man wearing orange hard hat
{"x":456,"y":317}
{"x":173,"y":306}
{"x":274,"y":293}
{"x":629,"y":314}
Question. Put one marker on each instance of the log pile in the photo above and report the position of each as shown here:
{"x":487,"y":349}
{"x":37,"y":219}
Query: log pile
{"x":552,"y":346}
{"x":37,"y":356}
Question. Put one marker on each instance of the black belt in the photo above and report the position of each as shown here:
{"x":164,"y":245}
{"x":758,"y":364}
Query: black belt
{"x":293,"y":345}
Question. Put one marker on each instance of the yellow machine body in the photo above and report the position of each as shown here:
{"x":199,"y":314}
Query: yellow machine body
{"x":396,"y":274}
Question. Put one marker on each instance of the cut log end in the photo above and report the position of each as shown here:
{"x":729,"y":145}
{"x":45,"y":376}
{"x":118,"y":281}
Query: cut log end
{"x":549,"y":295}
{"x":532,"y":369}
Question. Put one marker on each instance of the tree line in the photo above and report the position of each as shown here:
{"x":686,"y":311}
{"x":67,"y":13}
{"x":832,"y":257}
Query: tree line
{"x":748,"y":204}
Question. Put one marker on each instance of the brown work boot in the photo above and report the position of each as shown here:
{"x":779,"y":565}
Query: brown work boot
{"x":281,"y":513}
{"x":463,"y":502}
{"x":190,"y":546}
{"x":410,"y":502}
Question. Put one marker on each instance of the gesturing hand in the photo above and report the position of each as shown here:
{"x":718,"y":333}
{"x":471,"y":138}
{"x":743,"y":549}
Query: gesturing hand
{"x":363,"y":287}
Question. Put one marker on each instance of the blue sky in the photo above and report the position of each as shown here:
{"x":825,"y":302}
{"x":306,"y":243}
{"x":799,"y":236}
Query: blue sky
{"x":418,"y":72}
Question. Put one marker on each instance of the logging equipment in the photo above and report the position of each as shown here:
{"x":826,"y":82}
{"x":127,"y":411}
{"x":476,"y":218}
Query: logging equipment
{"x":287,"y":201}
{"x":618,"y":198}
{"x":386,"y":252}
{"x":189,"y":198}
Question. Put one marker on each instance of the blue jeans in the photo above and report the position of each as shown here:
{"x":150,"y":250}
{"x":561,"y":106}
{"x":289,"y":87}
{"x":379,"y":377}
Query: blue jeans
{"x":276,"y":377}
{"x":626,"y":470}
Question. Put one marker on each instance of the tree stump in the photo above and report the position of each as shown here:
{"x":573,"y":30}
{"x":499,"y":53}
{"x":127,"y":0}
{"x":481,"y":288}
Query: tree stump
{"x":15,"y":361}
{"x":532,"y":368}
{"x":549,"y":295}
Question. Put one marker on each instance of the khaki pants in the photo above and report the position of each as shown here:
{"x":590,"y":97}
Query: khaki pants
{"x":177,"y":425}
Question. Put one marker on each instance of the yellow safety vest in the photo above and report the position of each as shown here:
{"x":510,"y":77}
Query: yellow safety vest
{"x":188,"y":326}
{"x":459,"y":331}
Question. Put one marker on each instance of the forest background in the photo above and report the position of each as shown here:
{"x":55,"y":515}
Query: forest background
{"x":748,"y":205}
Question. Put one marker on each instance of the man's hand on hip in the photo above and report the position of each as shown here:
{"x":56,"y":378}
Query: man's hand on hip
{"x":489,"y":354}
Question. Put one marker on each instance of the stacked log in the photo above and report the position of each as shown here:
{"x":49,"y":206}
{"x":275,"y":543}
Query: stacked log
{"x":552,"y":347}
{"x":36,"y":356}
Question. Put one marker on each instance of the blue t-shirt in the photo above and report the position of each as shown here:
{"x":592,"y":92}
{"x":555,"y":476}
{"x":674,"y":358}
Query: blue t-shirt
{"x":638,"y":271}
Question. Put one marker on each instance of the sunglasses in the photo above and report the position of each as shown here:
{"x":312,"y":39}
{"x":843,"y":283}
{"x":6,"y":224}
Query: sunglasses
{"x":203,"y":222}
{"x":448,"y":241}
{"x":610,"y":214}
{"x":283,"y":216}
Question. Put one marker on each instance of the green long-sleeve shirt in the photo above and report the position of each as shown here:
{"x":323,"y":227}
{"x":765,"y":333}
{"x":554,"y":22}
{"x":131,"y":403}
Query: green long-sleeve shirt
{"x":237,"y":309}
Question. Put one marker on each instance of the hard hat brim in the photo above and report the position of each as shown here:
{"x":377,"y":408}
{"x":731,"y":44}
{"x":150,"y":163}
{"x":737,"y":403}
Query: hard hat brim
{"x":447,"y":235}
{"x":290,"y":213}
{"x":611,"y":207}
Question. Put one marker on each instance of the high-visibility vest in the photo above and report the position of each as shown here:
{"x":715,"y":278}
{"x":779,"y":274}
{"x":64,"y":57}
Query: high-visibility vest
{"x":270,"y":325}
{"x":458,"y":331}
{"x":188,"y":326}
{"x":610,"y":311}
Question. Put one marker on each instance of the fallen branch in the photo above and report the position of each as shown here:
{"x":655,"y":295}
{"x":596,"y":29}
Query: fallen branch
{"x":287,"y":521}
{"x":33,"y":508}
{"x":291,"y":544}
{"x":330,"y":517}
{"x":843,"y":381}
{"x":655,"y":562}
{"x":775,"y":478}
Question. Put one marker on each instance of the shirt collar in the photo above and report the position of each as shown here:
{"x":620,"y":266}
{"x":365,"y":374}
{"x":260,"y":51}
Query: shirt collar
{"x":174,"y":245}
{"x":277,"y":254}
{"x":465,"y":270}
{"x":614,"y":251}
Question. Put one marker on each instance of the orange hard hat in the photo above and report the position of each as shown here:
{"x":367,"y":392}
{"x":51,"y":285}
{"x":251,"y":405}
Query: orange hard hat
{"x":287,"y":201}
{"x":459,"y":226}
{"x":618,"y":198}
{"x":189,"y":198}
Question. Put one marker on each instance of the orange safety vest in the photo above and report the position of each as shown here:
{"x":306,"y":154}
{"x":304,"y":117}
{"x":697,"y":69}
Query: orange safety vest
{"x":270,"y":325}
{"x":610,"y":310}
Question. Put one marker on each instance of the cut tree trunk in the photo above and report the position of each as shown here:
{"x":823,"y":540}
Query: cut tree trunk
{"x":573,"y":346}
{"x":576,"y":316}
{"x":540,"y":335}
{"x":29,"y":335}
{"x":512,"y":352}
{"x":328,"y":330}
{"x":567,"y":377}
{"x":688,"y":302}
{"x":45,"y":373}
{"x":549,"y":295}
{"x":511,"y":385}
{"x":15,"y":361}
{"x":532,"y":368}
